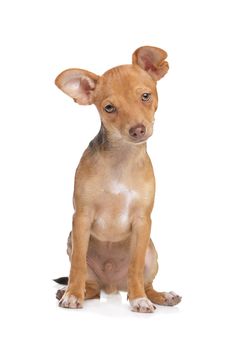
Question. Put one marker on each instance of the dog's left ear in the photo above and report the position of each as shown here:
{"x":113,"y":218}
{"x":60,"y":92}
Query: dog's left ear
{"x":78,"y":84}
{"x":152,"y":60}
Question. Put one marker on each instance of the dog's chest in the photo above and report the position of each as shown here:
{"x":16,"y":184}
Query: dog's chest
{"x":123,"y":198}
{"x":116,"y":203}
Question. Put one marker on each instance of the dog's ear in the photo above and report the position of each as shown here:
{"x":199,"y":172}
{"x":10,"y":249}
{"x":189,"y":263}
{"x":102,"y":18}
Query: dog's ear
{"x":152,"y":60}
{"x":78,"y":84}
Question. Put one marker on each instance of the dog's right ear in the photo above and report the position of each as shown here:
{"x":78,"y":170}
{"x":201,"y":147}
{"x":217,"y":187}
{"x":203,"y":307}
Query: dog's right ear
{"x":78,"y":84}
{"x":152,"y":60}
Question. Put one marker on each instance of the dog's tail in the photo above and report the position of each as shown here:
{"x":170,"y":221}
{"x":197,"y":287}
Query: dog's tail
{"x":61,"y":280}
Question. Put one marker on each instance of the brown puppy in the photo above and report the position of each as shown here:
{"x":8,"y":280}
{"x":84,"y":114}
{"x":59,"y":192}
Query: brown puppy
{"x":109,"y":246}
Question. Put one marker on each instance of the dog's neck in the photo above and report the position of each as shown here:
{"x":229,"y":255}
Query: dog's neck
{"x":116,"y":149}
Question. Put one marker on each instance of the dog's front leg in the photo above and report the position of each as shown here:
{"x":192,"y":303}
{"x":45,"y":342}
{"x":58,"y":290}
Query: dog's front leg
{"x":139,"y":243}
{"x":74,"y":295}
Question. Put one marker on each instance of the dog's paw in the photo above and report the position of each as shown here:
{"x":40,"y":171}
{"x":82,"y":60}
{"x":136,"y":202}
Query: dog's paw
{"x":70,"y":301}
{"x":142,"y":305}
{"x":171,"y":299}
{"x":60,"y":293}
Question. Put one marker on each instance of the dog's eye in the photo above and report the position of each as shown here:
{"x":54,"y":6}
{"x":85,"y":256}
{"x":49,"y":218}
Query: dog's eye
{"x":110,"y":108}
{"x":146,"y":96}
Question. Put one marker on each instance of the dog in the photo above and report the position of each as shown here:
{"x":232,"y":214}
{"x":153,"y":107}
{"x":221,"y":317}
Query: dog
{"x":110,"y":247}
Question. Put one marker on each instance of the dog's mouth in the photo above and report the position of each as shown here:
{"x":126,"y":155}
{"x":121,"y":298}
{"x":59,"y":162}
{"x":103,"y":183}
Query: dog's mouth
{"x":138,"y":142}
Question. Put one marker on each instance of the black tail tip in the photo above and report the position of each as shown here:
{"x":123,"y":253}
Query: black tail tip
{"x":61,"y":280}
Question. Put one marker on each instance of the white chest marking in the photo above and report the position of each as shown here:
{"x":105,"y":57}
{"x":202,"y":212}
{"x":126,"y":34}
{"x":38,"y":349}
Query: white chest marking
{"x":129,"y":195}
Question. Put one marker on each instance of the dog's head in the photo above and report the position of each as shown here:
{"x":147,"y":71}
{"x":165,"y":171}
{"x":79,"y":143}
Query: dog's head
{"x":125,"y":96}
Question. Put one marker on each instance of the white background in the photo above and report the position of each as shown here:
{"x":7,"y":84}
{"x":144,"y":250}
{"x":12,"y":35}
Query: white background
{"x":43,"y":134}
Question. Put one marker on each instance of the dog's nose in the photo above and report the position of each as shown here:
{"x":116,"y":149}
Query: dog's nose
{"x":137,"y":131}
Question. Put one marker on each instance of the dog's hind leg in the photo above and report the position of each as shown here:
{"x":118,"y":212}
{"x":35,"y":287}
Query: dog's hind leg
{"x":161,"y":298}
{"x":60,"y":293}
{"x":151,"y":269}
